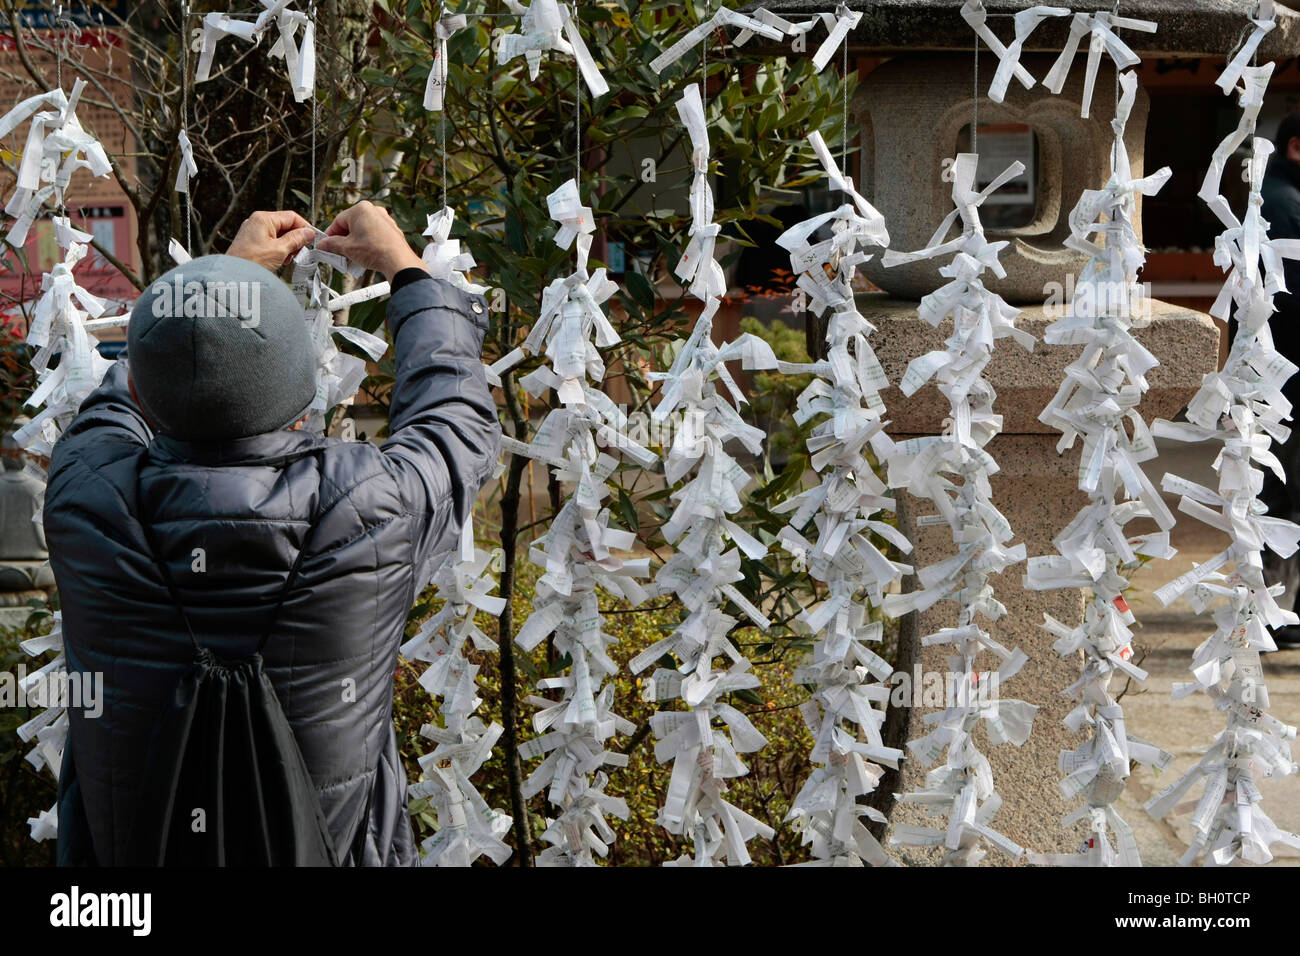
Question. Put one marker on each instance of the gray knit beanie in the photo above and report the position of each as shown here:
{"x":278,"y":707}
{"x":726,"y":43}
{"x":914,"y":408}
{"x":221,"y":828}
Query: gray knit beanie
{"x":218,"y":349}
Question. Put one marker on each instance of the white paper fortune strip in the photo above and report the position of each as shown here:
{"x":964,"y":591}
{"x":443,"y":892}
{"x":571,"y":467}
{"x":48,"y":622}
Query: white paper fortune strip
{"x":1100,"y":28}
{"x":467,"y":826}
{"x":1244,"y":408}
{"x":547,"y":25}
{"x":187,"y":168}
{"x":338,"y":374}
{"x":299,"y":53}
{"x":435,"y":87}
{"x":580,"y":551}
{"x":963,"y":789}
{"x":1263,"y":22}
{"x":838,"y":26}
{"x":1102,"y":389}
{"x":697,"y":264}
{"x":723,"y":17}
{"x":443,"y":254}
{"x":1026,"y":21}
{"x":848,"y":678}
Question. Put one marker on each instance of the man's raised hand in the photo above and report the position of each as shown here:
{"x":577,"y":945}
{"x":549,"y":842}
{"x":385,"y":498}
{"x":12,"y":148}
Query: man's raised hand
{"x":271,"y":238}
{"x":367,"y":235}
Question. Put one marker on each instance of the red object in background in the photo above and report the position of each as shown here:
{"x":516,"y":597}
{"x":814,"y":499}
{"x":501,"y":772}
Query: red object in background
{"x":110,"y":226}
{"x":97,"y":205}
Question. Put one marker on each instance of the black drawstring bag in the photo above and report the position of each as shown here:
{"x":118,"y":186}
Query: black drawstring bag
{"x":226,"y":784}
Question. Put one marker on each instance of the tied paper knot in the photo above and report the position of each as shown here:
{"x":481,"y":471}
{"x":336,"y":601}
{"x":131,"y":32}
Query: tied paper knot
{"x":299,"y":53}
{"x":697,"y":265}
{"x":55,"y":149}
{"x":443,"y":254}
{"x":188,"y":168}
{"x":1026,"y":22}
{"x":547,"y":25}
{"x":435,"y":88}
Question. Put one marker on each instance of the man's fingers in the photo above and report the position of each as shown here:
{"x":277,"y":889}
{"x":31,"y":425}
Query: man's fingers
{"x":281,"y":221}
{"x":291,"y":242}
{"x":343,"y":222}
{"x":336,"y":244}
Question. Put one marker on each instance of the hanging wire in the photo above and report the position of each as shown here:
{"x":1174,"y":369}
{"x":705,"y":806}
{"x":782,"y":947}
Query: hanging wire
{"x":844,"y":117}
{"x":577,"y":109}
{"x":186,"y":201}
{"x":58,"y":68}
{"x":311,"y":15}
{"x":58,"y":45}
{"x":442,"y":113}
{"x":975,"y":117}
{"x":704,"y":62}
{"x":1114,"y":159}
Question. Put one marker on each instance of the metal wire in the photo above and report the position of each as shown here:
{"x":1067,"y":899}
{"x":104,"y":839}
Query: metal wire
{"x":442,"y":116}
{"x":704,"y":62}
{"x":844,"y":118}
{"x":577,"y":110}
{"x":975,"y":119}
{"x":186,"y":200}
{"x":311,"y":15}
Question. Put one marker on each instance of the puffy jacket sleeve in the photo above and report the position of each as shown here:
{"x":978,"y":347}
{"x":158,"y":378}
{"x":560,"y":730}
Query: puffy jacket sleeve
{"x":109,"y":415}
{"x":444,"y":436}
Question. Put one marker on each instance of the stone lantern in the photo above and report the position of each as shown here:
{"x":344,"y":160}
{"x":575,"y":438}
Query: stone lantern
{"x":912,"y":113}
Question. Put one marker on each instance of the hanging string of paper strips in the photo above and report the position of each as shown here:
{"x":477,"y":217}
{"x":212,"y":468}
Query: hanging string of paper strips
{"x":62,"y":325}
{"x":1243,"y":408}
{"x":963,"y":788}
{"x":467,"y":826}
{"x":705,"y":567}
{"x":580,"y":550}
{"x":848,"y":678}
{"x":1101,"y":391}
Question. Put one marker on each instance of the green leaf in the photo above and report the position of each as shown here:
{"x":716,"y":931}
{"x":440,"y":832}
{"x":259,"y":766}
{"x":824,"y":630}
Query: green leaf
{"x":639,"y":286}
{"x":628,"y":509}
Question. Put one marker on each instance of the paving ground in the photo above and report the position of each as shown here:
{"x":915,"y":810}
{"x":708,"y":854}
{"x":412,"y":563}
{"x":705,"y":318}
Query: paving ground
{"x":1185,"y":727}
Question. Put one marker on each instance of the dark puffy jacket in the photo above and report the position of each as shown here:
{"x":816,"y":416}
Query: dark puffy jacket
{"x":1281,"y":194}
{"x":383,"y":516}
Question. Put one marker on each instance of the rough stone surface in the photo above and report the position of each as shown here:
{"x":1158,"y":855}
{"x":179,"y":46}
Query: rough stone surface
{"x":910,"y":111}
{"x":1034,"y":489}
{"x":1184,"y":340}
{"x":1195,"y":28}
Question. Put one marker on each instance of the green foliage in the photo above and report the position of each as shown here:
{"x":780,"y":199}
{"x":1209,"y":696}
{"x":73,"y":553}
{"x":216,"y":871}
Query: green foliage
{"x":23,"y":791}
{"x":773,"y":396}
{"x":776,"y":772}
{"x":510,"y":142}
